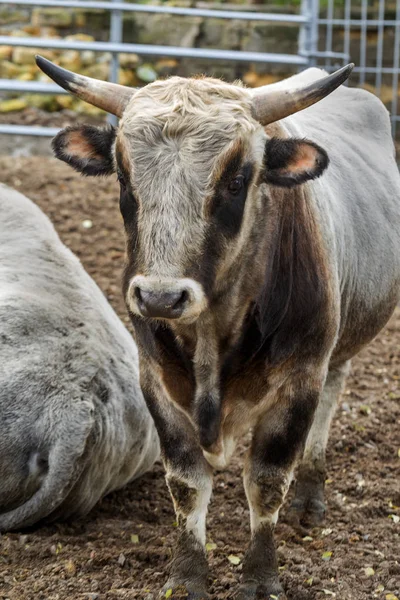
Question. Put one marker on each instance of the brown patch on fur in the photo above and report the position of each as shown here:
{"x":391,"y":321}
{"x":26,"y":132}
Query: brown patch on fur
{"x":77,"y":145}
{"x":179,"y":386}
{"x":184,"y":496}
{"x":271,"y":491}
{"x":122,"y":152}
{"x":235,"y":149}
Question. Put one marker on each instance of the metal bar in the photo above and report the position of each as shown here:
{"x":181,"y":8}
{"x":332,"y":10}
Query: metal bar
{"x":379,"y":49}
{"x":363,"y":43}
{"x":324,"y":54}
{"x":144,"y":49}
{"x":28,"y":130}
{"x":33,"y":87}
{"x":171,"y":10}
{"x":52,"y":131}
{"x":116,"y":38}
{"x":396,"y":66}
{"x":356,"y":22}
{"x":329,"y":30}
{"x":372,"y":70}
{"x":346,"y":32}
{"x":313,"y":31}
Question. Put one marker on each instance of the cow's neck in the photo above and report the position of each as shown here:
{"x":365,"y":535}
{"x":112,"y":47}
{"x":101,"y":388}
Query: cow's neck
{"x":277,"y":297}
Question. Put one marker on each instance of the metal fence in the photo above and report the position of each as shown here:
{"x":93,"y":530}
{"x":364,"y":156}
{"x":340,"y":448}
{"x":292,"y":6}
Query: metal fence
{"x":324,"y":40}
{"x":370,"y":37}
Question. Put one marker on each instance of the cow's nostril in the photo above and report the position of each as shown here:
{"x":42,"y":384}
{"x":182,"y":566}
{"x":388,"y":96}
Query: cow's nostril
{"x":167,"y":305}
{"x":182,"y":299}
{"x":138,"y":294}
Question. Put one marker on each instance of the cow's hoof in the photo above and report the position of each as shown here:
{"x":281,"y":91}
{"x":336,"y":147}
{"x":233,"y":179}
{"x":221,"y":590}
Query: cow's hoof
{"x":306,"y":513}
{"x":255,"y":591}
{"x":178,"y":591}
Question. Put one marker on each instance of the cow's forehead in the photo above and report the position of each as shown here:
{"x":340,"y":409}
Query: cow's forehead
{"x":179,"y":126}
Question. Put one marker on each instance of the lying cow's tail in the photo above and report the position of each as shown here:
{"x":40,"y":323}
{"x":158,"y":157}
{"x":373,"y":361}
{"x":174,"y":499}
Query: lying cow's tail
{"x":66,"y":463}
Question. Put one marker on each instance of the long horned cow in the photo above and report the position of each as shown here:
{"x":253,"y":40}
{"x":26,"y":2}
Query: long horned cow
{"x":254,"y":273}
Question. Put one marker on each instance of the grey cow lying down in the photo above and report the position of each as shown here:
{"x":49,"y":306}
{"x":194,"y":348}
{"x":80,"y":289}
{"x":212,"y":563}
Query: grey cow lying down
{"x":73,"y":421}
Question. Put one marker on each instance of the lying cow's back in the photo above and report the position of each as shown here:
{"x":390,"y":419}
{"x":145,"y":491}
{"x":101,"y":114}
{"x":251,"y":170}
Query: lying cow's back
{"x":358,"y":202}
{"x":73,"y":422}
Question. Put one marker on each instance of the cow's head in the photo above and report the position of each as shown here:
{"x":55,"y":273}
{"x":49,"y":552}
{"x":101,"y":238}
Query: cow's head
{"x":194,"y":164}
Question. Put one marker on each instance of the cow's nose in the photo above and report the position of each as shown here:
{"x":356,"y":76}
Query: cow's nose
{"x":164,"y":305}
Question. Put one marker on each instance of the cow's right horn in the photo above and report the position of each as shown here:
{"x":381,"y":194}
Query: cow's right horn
{"x":111,"y":97}
{"x":271,"y":106}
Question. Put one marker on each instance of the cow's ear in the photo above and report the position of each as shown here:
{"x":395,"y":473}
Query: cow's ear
{"x":86,"y":148}
{"x":289,"y":162}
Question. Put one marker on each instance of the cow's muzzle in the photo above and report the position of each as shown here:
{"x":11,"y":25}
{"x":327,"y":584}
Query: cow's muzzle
{"x":159,"y":298}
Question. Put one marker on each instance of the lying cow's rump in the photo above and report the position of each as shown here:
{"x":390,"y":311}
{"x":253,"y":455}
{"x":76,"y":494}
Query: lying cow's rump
{"x":73,"y":422}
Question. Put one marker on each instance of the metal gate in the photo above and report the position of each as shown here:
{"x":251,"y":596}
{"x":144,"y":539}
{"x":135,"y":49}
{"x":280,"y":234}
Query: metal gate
{"x":326,"y":38}
{"x":369,"y":34}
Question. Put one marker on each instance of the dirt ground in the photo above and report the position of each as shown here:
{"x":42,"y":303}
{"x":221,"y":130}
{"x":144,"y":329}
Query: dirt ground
{"x":121,"y":550}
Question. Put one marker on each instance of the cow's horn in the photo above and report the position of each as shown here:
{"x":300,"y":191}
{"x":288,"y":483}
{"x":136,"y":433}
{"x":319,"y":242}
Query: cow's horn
{"x":109,"y":96}
{"x":272,"y":106}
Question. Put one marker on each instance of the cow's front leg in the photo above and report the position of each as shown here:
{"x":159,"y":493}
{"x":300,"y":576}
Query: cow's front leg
{"x":278,"y":440}
{"x":190,"y":490}
{"x":189,"y":479}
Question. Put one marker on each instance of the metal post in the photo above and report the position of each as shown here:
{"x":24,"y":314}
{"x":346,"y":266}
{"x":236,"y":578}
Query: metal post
{"x":363,"y":44}
{"x":308,"y":38}
{"x":116,"y":23}
{"x":329,"y":35}
{"x":396,"y":70}
{"x":346,"y":32}
{"x":379,"y":50}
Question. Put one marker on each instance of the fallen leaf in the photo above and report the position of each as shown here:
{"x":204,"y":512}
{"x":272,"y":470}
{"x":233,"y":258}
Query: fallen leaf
{"x":329,"y":593}
{"x":326,"y":556}
{"x":211,"y":546}
{"x":307,"y":538}
{"x":326,"y":532}
{"x":310,"y":580}
{"x":358,"y":427}
{"x":379,"y":589}
{"x":168,"y":593}
{"x":395,"y":518}
{"x":369,"y":571}
{"x":134,"y":538}
{"x":365,"y":410}
{"x":235,"y":560}
{"x":391,"y":597}
{"x":70,"y":567}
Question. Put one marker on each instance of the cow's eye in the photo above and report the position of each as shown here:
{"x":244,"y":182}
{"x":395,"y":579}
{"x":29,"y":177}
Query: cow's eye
{"x":236,"y":184}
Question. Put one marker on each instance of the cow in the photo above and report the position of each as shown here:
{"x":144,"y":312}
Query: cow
{"x":73,"y":421}
{"x":263,"y":252}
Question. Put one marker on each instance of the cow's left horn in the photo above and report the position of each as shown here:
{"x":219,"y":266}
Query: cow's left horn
{"x":109,"y":96}
{"x":272,"y":106}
